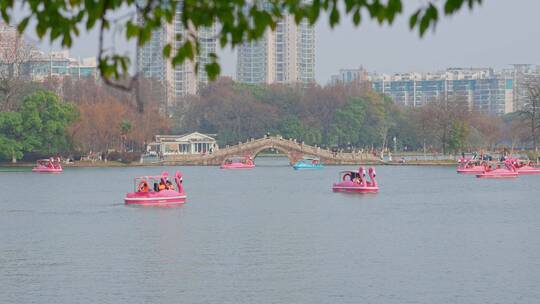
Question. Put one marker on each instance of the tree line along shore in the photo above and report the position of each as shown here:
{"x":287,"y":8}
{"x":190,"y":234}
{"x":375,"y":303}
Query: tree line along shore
{"x":74,"y":118}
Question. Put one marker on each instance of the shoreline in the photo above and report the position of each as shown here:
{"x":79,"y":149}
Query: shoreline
{"x":115,"y":164}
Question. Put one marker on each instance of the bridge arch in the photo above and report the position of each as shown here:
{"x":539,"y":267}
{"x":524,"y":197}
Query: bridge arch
{"x":293,"y":156}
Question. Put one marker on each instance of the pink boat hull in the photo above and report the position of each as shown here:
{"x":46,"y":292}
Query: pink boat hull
{"x":471,"y":170}
{"x":46,"y":170}
{"x":528,"y":170}
{"x":351,"y":187}
{"x":161,"y":198}
{"x":237,"y":166}
{"x":498,"y":173}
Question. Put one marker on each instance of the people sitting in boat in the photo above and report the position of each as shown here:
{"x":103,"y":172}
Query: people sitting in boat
{"x":143,"y":186}
{"x":355,"y":177}
{"x":169,"y":185}
{"x":162,"y":186}
{"x":156,"y":187}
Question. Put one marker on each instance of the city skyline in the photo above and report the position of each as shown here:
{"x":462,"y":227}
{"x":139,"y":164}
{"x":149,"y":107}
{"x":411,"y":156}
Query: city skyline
{"x":487,"y":36}
{"x":285,"y":56}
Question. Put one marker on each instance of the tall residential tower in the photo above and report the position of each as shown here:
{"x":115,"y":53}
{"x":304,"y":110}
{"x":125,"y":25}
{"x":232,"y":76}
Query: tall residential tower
{"x":286,"y":55}
{"x":175,"y":82}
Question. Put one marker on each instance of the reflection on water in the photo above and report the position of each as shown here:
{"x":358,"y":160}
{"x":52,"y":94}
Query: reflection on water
{"x":270,"y":235}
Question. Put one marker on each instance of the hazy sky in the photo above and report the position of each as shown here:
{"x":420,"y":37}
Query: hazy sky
{"x":498,"y":33}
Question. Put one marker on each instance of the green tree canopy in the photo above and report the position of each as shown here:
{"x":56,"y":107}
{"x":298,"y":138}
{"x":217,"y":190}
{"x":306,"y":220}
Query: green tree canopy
{"x":349,"y":123}
{"x":458,"y":136}
{"x":12,"y":144}
{"x":39,"y":125}
{"x":237,"y":21}
{"x":45,"y":120}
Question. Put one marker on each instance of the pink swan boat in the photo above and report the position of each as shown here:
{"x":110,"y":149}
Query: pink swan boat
{"x":469,"y":166}
{"x":525,"y":167}
{"x":144,"y":195}
{"x":49,"y":165}
{"x":356,"y":182}
{"x":238,"y":162}
{"x":508,"y":172}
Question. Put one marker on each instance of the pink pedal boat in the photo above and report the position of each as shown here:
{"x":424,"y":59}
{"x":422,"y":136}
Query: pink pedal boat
{"x":238,"y":162}
{"x":356,"y":182}
{"x":49,"y":165}
{"x":508,"y":172}
{"x":525,"y":167}
{"x":163,"y":192}
{"x":470,"y":166}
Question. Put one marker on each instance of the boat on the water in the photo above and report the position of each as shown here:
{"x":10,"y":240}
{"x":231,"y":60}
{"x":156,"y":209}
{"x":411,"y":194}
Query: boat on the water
{"x":238,"y":162}
{"x":357,"y":182}
{"x":48,"y":165}
{"x":525,"y":167}
{"x":508,"y":171}
{"x":157,"y":191}
{"x":470,"y":166}
{"x":308,"y":162}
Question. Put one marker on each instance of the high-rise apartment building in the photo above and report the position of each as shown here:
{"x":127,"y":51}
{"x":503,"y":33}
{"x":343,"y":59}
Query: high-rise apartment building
{"x":285,"y":55}
{"x":176,"y":82}
{"x":10,"y":40}
{"x":482,"y":89}
{"x":14,"y":50}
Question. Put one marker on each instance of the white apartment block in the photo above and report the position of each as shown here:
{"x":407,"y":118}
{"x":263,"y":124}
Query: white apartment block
{"x":285,"y":55}
{"x":181,"y":80}
{"x":486,"y":90}
{"x":483,"y":89}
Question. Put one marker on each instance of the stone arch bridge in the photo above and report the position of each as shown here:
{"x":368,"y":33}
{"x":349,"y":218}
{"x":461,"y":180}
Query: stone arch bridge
{"x":291,"y":148}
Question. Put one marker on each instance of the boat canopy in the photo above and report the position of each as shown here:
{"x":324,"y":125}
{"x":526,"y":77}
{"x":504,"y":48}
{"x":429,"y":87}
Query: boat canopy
{"x":47,"y":161}
{"x":353,"y":173}
{"x":163,"y":175}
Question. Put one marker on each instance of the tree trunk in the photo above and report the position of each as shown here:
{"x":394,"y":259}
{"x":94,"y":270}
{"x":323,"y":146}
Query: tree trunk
{"x":533,"y":132}
{"x":444,"y":141}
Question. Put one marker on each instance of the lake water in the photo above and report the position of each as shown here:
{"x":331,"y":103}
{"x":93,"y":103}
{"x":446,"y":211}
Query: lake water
{"x":270,"y":235}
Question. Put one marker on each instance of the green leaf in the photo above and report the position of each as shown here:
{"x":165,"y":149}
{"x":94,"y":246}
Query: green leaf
{"x":23,"y":24}
{"x":356,"y":17}
{"x":213,"y":70}
{"x":167,"y":51}
{"x":334,"y":17}
{"x":414,"y":19}
{"x":131,"y":30}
